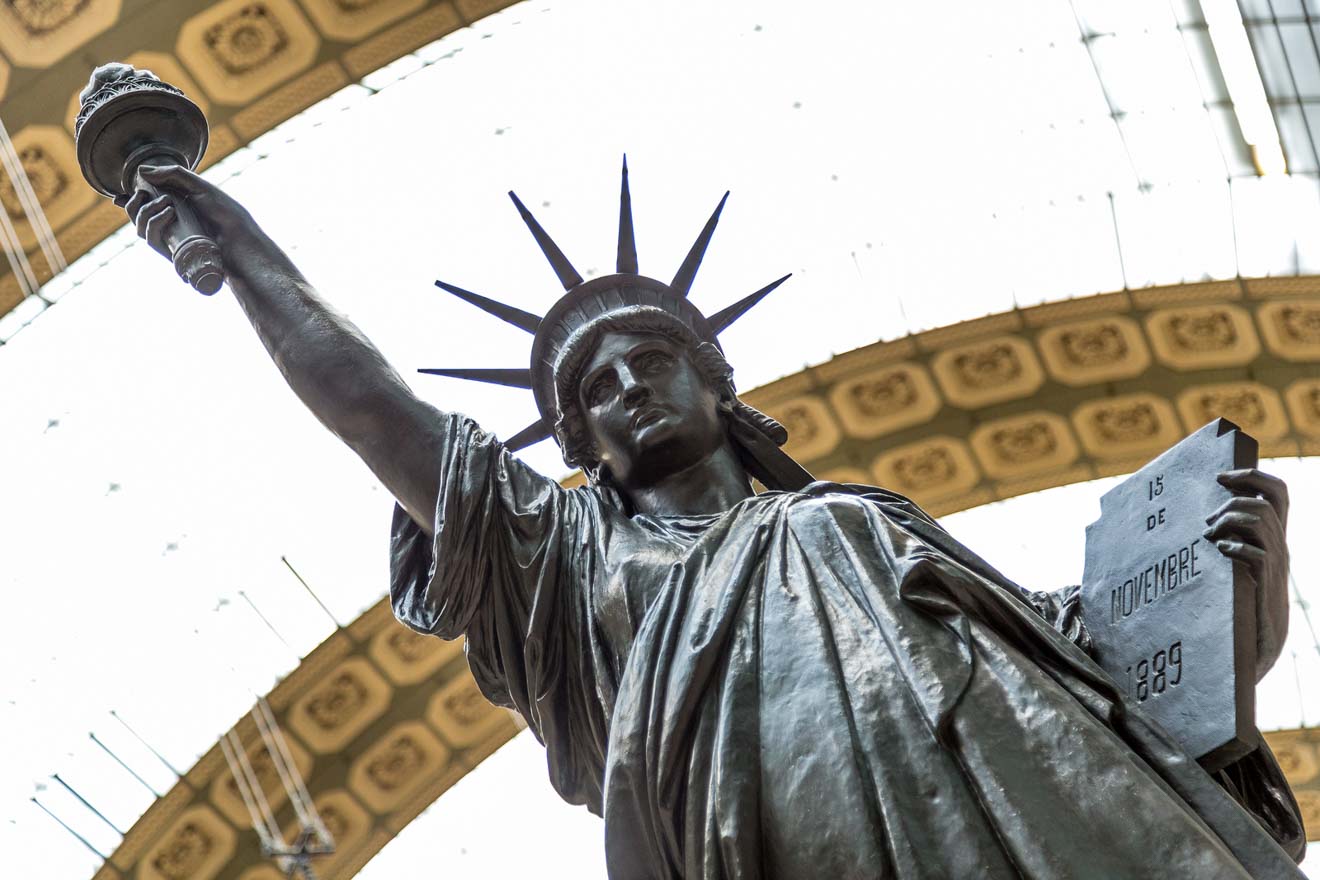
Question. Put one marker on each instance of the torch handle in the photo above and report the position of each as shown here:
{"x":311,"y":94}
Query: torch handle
{"x":196,"y":257}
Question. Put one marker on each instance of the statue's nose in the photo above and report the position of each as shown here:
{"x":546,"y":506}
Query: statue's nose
{"x":635,"y":390}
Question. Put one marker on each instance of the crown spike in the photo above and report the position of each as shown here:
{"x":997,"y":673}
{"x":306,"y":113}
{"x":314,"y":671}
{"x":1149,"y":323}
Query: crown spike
{"x":627,"y":260}
{"x":514,"y":378}
{"x":517,"y":317}
{"x":720,"y":321}
{"x":682,"y":282}
{"x":533,"y":433}
{"x":568,"y":276}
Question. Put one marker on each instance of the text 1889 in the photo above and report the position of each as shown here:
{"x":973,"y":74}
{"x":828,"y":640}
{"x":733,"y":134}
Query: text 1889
{"x":1152,"y":676}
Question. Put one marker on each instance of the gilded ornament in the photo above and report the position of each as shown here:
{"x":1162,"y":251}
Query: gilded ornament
{"x":799,"y":422}
{"x":336,"y":821}
{"x":395,"y":767}
{"x":1093,"y":346}
{"x":988,"y":367}
{"x":336,"y":704}
{"x":1020,"y":444}
{"x":925,"y":470}
{"x":408,"y":646}
{"x":467,"y":705}
{"x":249,"y":38}
{"x":1300,"y":323}
{"x":1297,"y":759}
{"x":1243,"y":406}
{"x":184,"y":853}
{"x":1126,"y":423}
{"x":1201,"y":332}
{"x":40,"y":17}
{"x":883,"y":396}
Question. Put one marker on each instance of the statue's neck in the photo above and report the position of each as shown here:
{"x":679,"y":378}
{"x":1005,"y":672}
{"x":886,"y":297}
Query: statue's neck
{"x":711,"y":485}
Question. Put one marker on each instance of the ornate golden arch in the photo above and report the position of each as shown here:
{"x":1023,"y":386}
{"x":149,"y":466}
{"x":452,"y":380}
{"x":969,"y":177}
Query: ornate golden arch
{"x":381,"y":721}
{"x":1061,"y":393}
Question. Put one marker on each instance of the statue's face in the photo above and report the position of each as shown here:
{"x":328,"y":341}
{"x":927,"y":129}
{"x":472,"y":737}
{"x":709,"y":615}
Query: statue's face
{"x":648,"y":409}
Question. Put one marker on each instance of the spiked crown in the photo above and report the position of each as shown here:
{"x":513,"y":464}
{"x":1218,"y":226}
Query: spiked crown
{"x":584,"y":302}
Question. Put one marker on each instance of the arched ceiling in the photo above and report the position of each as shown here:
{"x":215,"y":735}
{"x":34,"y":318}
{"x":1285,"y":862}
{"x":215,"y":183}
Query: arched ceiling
{"x":249,"y":64}
{"x":382,"y":721}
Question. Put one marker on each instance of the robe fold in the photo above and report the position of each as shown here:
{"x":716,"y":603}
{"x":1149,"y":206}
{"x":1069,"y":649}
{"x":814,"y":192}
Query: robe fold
{"x":812,"y":684}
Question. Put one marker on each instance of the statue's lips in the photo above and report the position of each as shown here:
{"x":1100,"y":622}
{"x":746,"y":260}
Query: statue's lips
{"x":647,"y":415}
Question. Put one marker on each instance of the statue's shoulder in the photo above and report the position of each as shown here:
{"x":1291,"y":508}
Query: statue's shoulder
{"x":888,"y":501}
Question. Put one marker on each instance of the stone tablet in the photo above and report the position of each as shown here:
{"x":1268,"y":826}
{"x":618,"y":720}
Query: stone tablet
{"x":1172,"y":619}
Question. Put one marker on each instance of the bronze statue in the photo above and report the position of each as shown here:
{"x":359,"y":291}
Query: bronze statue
{"x":814,"y":681}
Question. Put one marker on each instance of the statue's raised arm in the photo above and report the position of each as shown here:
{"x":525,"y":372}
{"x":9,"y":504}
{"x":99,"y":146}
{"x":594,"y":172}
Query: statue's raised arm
{"x":138,"y":140}
{"x":332,"y":367}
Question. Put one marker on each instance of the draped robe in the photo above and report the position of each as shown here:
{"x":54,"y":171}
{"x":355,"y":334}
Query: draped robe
{"x":812,"y":684}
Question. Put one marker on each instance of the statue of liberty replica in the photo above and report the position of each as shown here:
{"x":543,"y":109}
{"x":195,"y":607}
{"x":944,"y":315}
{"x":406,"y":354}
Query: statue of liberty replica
{"x":816,"y":681}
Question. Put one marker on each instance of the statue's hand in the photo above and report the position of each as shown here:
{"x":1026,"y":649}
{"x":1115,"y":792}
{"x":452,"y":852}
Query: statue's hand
{"x":1250,"y":527}
{"x":224,"y":219}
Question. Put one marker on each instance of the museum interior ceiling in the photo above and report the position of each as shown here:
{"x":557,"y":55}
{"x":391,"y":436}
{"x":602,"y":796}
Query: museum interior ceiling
{"x":1030,"y":252}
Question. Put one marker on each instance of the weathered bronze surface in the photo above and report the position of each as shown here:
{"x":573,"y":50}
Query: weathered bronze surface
{"x":129,"y":119}
{"x":1171,"y":619}
{"x":816,"y":681}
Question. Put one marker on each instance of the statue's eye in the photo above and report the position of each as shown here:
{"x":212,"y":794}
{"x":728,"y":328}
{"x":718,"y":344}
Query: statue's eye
{"x":600,"y":390}
{"x":654,"y":361}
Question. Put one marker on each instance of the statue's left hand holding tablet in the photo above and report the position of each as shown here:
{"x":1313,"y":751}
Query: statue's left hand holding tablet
{"x":1251,"y":527}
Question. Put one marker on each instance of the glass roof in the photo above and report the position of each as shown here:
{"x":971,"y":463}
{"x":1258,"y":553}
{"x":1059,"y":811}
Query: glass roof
{"x":912,"y":166}
{"x":1286,"y":42}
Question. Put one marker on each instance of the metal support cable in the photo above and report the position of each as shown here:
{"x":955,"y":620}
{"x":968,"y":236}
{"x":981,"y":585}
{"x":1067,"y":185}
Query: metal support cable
{"x":250,"y":790}
{"x":308,"y":587}
{"x":149,"y":747}
{"x":65,"y":825}
{"x":298,"y":781}
{"x":82,"y":800}
{"x":1301,"y":694}
{"x":283,"y":761}
{"x":31,"y":206}
{"x":312,"y":837}
{"x":1306,"y":611}
{"x":270,"y":626}
{"x":1118,"y":239}
{"x":277,"y":748}
{"x":120,"y":761}
{"x":18,"y":261}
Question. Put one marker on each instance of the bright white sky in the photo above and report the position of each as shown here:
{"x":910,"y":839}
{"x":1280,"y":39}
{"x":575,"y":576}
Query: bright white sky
{"x":912,"y":165}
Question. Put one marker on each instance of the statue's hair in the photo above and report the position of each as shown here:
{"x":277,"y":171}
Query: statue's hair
{"x":571,"y":427}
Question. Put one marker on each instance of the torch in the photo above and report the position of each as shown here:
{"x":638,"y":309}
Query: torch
{"x":129,"y":118}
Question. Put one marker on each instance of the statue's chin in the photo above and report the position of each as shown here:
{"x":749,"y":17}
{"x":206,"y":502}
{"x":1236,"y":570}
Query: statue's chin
{"x":665,"y":454}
